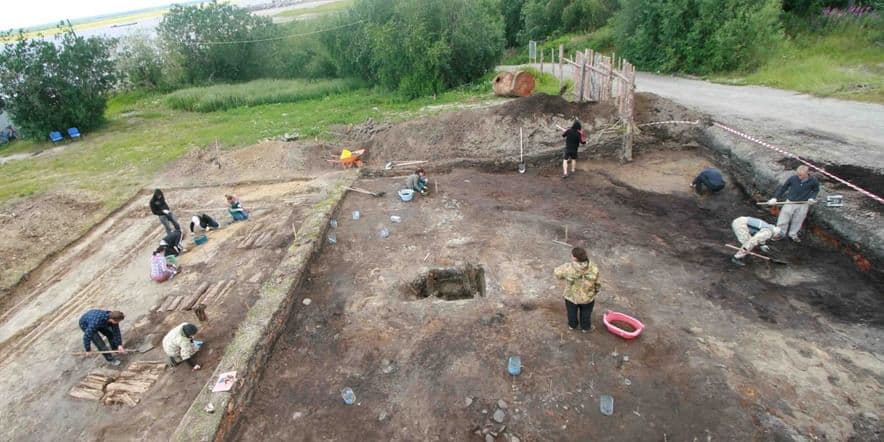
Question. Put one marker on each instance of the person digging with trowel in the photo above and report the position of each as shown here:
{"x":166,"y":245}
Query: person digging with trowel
{"x":180,"y":346}
{"x":582,"y":277}
{"x":752,"y":232}
{"x":95,"y":323}
{"x":418,"y":182}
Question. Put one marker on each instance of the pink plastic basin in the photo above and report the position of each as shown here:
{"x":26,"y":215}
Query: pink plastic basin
{"x":611,"y":316}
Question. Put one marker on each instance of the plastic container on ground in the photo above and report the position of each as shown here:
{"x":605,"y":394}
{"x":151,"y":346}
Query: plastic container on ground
{"x":332,"y":238}
{"x":396,"y":219}
{"x":348,"y":396}
{"x":200,"y":239}
{"x":514,"y":365}
{"x":406,"y":194}
{"x":606,"y":405}
{"x":355,"y":215}
{"x":333,"y":223}
{"x":384,"y":233}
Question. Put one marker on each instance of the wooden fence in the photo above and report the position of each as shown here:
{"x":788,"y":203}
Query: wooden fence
{"x":600,"y":78}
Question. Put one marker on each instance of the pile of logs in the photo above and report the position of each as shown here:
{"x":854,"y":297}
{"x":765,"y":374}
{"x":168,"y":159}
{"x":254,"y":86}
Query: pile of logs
{"x":111,"y":387}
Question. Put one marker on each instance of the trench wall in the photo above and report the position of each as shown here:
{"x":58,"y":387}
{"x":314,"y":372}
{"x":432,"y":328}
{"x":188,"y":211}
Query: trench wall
{"x":250,"y":348}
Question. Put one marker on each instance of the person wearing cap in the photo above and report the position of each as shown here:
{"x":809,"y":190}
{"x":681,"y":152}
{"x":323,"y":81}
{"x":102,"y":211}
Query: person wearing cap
{"x":179,"y":346}
{"x":800,"y":191}
{"x":582,"y":277}
{"x":708,"y":181}
{"x":752,"y":232}
{"x":95,"y":323}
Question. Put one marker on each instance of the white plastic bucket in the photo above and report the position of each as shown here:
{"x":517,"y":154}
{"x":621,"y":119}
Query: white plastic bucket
{"x":406,"y":194}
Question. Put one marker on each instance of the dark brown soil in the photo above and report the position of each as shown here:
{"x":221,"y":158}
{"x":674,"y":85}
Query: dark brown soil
{"x":415,"y":364}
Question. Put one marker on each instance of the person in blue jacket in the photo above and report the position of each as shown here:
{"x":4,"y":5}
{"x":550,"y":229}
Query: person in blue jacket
{"x":96,"y":323}
{"x":708,"y":181}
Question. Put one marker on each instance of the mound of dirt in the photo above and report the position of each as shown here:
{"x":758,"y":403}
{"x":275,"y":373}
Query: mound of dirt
{"x":489,"y":133}
{"x":267,"y":160}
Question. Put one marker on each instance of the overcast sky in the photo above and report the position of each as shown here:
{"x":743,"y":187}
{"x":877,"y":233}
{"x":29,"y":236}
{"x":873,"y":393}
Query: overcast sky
{"x":23,"y":13}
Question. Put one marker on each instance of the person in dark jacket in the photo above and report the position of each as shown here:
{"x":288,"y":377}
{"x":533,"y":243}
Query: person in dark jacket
{"x":800,"y":191}
{"x":95,"y":323}
{"x":708,"y":181}
{"x":172,"y":244}
{"x":159,"y":208}
{"x":202,"y":223}
{"x":573,"y":139}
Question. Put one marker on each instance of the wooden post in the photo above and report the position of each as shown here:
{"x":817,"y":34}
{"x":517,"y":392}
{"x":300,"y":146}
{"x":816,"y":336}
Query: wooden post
{"x":582,"y":79}
{"x":541,"y":62}
{"x":561,"y":66}
{"x":608,"y":83}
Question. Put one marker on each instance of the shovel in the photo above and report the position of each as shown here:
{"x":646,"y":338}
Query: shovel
{"x":367,"y":192}
{"x":522,"y":166}
{"x":757,"y":255}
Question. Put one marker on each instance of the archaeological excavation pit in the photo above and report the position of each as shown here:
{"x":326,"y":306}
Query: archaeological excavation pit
{"x":464,"y":281}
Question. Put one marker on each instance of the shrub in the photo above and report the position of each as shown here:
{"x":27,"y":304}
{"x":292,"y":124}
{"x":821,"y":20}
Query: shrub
{"x":139,"y":62}
{"x":50,"y":86}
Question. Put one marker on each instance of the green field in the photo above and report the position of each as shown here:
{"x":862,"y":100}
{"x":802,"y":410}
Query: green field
{"x":321,"y":9}
{"x":228,"y":96}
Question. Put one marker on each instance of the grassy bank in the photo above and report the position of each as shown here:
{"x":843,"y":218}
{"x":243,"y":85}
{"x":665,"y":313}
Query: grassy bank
{"x":258,"y":92}
{"x":316,"y":10}
{"x":143,"y":134}
{"x":844,"y":63}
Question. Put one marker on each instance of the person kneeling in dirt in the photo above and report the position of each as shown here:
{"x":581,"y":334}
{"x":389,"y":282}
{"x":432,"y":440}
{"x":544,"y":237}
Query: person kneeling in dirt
{"x":103,"y":322}
{"x":752,"y":232}
{"x":161,"y":267}
{"x":574,"y":137}
{"x":582,"y":277}
{"x":202,"y":223}
{"x":236,"y":209}
{"x":172,"y":244}
{"x":708,"y":181}
{"x":418,"y":182}
{"x":180,"y":347}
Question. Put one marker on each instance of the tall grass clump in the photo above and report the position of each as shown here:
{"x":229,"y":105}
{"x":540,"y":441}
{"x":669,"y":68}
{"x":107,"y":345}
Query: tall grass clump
{"x":228,"y":96}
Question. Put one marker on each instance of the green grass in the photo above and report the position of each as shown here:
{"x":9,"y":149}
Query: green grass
{"x":321,"y":9}
{"x":258,"y":92}
{"x":845,"y":63}
{"x":143,"y":134}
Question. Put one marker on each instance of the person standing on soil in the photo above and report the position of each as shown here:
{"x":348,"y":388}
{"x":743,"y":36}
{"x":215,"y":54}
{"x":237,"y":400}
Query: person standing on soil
{"x":159,"y":208}
{"x":574,"y":137}
{"x":180,"y":347}
{"x":800,"y":191}
{"x":752,"y":232}
{"x":236,"y":210}
{"x":582,"y":277}
{"x":418,"y":181}
{"x":103,"y":322}
{"x":708,"y":181}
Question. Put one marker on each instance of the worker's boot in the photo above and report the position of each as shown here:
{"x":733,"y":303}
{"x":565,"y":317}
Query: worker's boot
{"x":738,"y":261}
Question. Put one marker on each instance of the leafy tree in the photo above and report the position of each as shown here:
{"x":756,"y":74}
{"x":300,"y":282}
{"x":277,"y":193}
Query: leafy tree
{"x":420,"y":47}
{"x":513,"y":22}
{"x":699,"y":36}
{"x":213,"y":41}
{"x":50,"y":86}
{"x":139,"y":62}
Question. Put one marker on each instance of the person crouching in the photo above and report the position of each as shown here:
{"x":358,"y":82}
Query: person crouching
{"x":418,"y":182}
{"x":179,"y":346}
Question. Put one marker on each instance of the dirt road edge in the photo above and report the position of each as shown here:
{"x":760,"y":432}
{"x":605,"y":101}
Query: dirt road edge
{"x":250,"y":348}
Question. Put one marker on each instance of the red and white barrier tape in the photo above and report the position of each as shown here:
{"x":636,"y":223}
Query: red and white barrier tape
{"x":658,"y":123}
{"x":801,"y":160}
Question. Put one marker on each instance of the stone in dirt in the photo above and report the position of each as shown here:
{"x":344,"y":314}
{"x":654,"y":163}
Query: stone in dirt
{"x":489,"y":438}
{"x":502,"y":404}
{"x":306,"y":301}
{"x":498,"y":416}
{"x":382,"y":416}
{"x":468,"y":401}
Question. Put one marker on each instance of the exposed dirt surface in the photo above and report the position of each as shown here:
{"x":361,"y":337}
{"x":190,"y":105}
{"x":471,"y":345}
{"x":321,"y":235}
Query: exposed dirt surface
{"x":756,"y":353}
{"x":109,"y":269}
{"x":33,"y":226}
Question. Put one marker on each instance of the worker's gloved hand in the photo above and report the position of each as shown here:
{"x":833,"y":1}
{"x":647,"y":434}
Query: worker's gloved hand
{"x":166,"y":212}
{"x":772,"y":201}
{"x":121,"y":349}
{"x":811,"y":201}
{"x":196,"y":367}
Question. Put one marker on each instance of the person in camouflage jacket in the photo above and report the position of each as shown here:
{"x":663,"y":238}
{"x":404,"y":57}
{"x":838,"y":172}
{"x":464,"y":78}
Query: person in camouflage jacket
{"x":582,"y":277}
